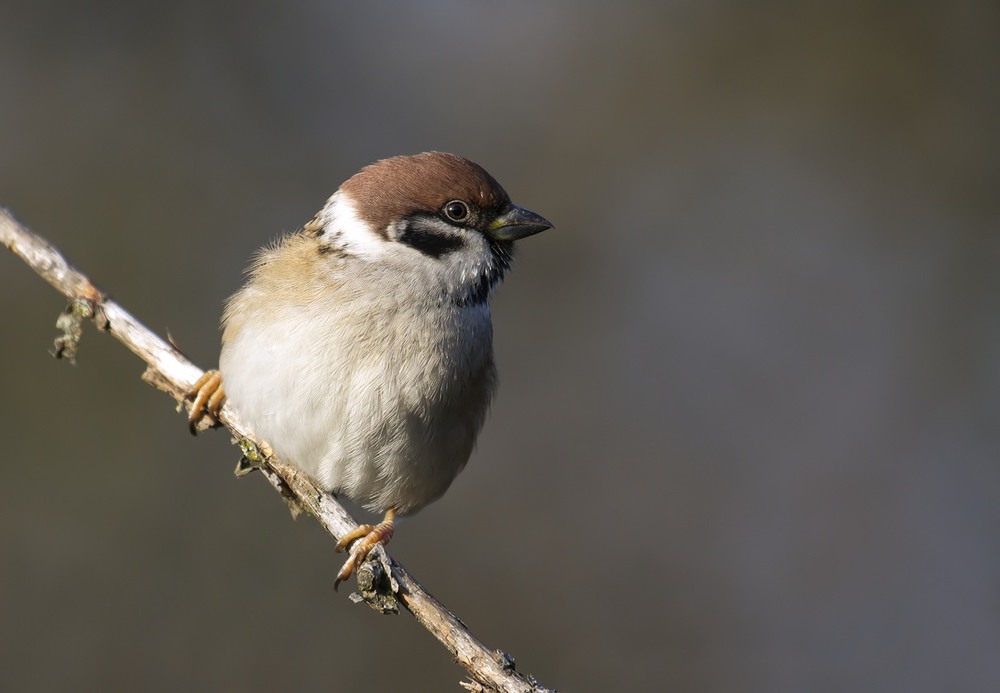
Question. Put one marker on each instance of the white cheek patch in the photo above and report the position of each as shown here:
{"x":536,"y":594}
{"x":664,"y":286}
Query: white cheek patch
{"x":344,"y":229}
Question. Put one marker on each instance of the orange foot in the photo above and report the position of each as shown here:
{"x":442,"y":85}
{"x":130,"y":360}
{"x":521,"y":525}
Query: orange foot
{"x":208,"y":396}
{"x":367,"y":537}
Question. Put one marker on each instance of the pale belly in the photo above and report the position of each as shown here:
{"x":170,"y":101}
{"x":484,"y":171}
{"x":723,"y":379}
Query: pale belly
{"x":387,"y":428}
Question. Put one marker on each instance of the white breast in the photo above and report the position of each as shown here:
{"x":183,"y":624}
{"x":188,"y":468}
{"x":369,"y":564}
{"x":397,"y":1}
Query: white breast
{"x":381,"y":403}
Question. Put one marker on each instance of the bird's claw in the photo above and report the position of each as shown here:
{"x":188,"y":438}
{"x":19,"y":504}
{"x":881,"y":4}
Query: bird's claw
{"x":208,"y":395}
{"x":365,"y":538}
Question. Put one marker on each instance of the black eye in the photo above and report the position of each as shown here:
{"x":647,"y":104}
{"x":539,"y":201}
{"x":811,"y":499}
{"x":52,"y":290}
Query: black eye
{"x":456,"y":210}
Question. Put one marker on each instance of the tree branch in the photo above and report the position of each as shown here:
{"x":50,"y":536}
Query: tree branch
{"x":383,"y":582}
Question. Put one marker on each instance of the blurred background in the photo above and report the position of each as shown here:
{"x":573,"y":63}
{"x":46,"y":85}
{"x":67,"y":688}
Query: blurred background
{"x":747,"y":432}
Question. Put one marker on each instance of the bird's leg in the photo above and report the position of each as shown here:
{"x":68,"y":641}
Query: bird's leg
{"x":208,"y":396}
{"x":365,"y":538}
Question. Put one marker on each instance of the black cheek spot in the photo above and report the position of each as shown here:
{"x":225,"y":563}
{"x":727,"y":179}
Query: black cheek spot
{"x":429,"y":240}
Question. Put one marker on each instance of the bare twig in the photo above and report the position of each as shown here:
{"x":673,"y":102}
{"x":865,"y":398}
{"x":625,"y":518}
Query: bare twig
{"x":384,"y":581}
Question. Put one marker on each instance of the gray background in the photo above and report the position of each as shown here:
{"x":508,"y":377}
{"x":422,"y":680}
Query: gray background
{"x":746,"y":437}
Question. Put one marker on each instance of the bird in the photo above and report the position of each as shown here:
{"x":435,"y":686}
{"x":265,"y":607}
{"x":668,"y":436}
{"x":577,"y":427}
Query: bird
{"x":360,"y":347}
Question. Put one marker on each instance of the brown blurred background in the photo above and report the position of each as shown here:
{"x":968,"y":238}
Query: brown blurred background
{"x":747,"y":436}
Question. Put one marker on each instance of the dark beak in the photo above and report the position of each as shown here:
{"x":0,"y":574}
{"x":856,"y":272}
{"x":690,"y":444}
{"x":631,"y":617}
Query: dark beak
{"x":516,"y":223}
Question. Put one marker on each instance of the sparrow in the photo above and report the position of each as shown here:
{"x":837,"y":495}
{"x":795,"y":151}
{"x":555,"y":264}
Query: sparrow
{"x":360,"y":348}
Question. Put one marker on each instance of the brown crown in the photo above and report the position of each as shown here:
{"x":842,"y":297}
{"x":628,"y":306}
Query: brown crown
{"x":394,"y":188}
